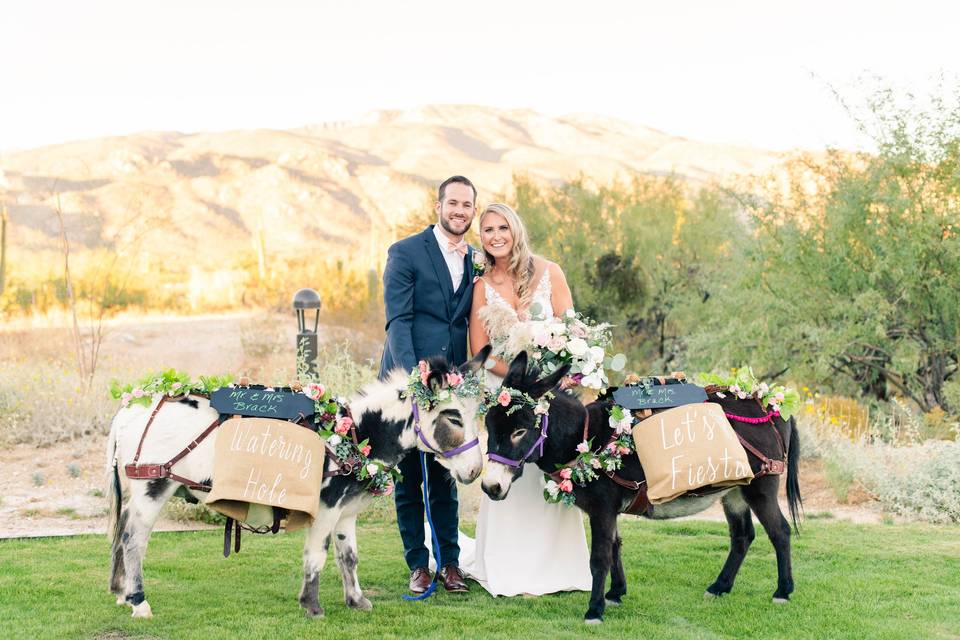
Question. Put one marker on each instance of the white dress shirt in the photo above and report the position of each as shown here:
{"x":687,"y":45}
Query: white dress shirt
{"x":454,"y":261}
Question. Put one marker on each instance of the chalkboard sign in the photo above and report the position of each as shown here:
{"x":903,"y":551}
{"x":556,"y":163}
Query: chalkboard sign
{"x":659,"y":396}
{"x":262,"y":403}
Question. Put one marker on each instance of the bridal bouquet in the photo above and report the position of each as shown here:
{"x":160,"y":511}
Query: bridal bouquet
{"x":571,"y":339}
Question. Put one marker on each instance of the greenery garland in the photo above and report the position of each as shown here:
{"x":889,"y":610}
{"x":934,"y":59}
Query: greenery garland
{"x":586,"y":466}
{"x":743,"y":384}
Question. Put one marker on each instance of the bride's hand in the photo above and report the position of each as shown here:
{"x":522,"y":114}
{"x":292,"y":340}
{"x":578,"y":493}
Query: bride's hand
{"x":569,"y":382}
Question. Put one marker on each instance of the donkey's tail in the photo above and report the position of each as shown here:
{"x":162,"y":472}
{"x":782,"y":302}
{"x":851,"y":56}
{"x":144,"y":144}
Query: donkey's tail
{"x":114,"y":491}
{"x":794,"y":499}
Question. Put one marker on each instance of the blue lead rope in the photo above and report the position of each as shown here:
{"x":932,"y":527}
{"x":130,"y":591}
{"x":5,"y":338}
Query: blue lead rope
{"x":433,"y":533}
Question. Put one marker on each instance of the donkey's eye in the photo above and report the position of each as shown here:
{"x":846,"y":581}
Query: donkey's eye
{"x":518,"y":434}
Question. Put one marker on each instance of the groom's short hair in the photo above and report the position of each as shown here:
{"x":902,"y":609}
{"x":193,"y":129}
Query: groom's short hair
{"x":462,"y":180}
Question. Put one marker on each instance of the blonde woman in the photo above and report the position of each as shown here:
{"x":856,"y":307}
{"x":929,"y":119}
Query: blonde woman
{"x":524,"y":545}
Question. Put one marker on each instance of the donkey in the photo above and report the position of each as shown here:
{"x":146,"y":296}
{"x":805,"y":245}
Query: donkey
{"x":514,"y":439}
{"x":382,"y":413}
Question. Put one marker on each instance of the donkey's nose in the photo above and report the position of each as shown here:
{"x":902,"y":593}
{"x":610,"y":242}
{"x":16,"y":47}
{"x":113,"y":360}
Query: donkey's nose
{"x":493,"y":491}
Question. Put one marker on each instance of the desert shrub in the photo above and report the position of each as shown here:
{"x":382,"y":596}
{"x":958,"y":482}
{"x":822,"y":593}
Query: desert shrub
{"x":920,"y":481}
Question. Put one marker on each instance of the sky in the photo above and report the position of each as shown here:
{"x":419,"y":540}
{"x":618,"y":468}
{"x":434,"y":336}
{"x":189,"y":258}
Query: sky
{"x":759,"y":73}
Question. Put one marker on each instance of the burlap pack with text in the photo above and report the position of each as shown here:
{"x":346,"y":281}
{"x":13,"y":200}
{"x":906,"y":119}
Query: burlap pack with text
{"x":687,"y":448}
{"x":261,"y":461}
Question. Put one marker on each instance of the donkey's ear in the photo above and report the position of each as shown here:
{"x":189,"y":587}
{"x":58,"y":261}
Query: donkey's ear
{"x":474,"y":365}
{"x":543,"y":385}
{"x":435,"y":381}
{"x":517,"y":371}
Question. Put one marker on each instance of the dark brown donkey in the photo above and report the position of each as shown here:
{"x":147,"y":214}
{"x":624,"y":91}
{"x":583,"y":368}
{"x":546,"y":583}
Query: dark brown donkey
{"x":512,"y":438}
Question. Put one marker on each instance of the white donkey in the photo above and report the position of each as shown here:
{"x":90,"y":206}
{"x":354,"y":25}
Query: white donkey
{"x":382,"y":413}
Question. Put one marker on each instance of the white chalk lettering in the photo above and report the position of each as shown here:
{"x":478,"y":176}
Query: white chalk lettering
{"x":674,"y":470}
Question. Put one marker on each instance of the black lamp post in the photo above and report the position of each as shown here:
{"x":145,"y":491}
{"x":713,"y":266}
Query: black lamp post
{"x":304,"y":300}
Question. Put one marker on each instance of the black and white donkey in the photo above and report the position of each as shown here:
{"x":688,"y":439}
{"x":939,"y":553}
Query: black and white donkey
{"x":382,"y":412}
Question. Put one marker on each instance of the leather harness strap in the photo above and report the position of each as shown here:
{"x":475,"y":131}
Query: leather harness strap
{"x":138,"y":471}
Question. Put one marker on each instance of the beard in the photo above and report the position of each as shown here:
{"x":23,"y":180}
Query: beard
{"x":448,"y":226}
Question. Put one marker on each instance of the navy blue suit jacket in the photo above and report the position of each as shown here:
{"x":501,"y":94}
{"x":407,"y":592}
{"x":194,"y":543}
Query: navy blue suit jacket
{"x":424,"y":315}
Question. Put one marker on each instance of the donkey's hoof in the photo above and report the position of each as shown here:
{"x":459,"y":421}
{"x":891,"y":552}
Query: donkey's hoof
{"x":614,"y":603}
{"x":781,"y":601}
{"x":314,"y":611}
{"x":360,"y":603}
{"x":709,"y":595}
{"x":142,"y":610}
{"x":121,"y":599}
{"x":593,"y":621}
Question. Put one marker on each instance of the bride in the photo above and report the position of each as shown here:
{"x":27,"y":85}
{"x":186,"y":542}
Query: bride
{"x":524,"y":545}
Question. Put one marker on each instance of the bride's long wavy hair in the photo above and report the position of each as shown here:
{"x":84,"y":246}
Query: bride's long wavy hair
{"x":520,"y":261}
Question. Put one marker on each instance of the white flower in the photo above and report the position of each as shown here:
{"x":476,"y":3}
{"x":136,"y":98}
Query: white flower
{"x":596,"y":354}
{"x":537,"y":355}
{"x":721,"y":395}
{"x":592,"y":381}
{"x":552,"y":488}
{"x":543,"y":406}
{"x":577,"y":346}
{"x":372,"y":469}
{"x":570,"y":313}
{"x":624,"y":425}
{"x":334,"y":440}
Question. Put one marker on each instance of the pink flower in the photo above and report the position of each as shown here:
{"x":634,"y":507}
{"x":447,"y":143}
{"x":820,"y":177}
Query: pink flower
{"x":612,"y":446}
{"x":566,"y":473}
{"x":504,"y":398}
{"x":365,"y":450}
{"x":175,"y":386}
{"x":387,"y":490}
{"x":343,"y":425}
{"x":315,"y":391}
{"x":578,"y":330}
{"x":556,"y":344}
{"x":623,"y":450}
{"x":137,"y":393}
{"x":595,"y":463}
{"x":583,"y":447}
{"x":541,"y":338}
{"x":566,"y":486}
{"x":125,"y":398}
{"x":453,"y":379}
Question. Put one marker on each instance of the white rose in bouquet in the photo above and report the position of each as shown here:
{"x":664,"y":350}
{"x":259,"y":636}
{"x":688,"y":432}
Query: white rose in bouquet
{"x":578,"y":347}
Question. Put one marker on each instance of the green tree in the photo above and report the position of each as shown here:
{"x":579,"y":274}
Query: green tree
{"x":853,"y":279}
{"x":645,"y":255}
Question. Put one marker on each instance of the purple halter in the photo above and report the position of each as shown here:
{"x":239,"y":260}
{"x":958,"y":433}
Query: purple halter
{"x":423,"y":438}
{"x":544,"y":424}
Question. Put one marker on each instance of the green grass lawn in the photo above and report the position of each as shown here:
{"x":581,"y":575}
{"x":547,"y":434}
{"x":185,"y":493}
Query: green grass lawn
{"x":856,"y":581}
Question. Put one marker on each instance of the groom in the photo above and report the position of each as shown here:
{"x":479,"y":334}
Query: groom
{"x":427,"y":290}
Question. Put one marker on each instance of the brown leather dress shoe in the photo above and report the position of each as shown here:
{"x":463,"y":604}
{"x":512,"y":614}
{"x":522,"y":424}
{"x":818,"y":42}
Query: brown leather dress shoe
{"x":420,"y":580}
{"x":452,"y":579}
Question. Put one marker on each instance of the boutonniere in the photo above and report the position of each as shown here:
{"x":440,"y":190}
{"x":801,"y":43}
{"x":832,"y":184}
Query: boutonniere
{"x":479,"y":263}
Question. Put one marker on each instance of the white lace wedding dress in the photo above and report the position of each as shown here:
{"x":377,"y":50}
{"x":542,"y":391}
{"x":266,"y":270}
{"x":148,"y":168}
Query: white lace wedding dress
{"x":524,"y":544}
